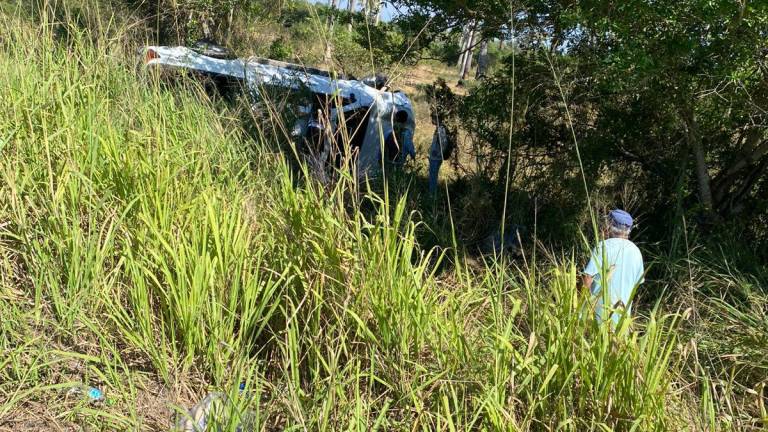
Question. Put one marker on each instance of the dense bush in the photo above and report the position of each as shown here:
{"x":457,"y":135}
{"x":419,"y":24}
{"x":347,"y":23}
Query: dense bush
{"x":667,"y":148}
{"x":280,"y":50}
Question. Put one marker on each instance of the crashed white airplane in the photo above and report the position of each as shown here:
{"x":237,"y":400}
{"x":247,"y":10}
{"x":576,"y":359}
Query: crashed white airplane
{"x":373,"y":117}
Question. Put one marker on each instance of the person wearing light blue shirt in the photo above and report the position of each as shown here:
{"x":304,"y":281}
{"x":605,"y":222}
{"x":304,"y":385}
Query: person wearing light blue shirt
{"x":616,"y":265}
{"x":437,"y":152}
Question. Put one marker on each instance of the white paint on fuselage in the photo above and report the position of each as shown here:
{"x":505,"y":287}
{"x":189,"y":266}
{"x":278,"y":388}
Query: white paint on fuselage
{"x":255,"y":73}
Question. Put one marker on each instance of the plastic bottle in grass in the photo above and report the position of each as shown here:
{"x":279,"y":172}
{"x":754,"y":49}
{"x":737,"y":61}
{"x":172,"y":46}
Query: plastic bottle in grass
{"x":91,"y":394}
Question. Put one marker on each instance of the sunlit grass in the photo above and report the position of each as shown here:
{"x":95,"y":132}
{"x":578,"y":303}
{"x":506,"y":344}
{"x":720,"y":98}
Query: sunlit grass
{"x":149,"y":248}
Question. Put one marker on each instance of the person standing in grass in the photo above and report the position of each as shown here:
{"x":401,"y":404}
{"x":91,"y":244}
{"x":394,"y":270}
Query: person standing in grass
{"x":443,"y":107}
{"x":616,"y":264}
{"x":438,"y":152}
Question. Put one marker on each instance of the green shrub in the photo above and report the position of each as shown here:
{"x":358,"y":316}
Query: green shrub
{"x":280,"y":50}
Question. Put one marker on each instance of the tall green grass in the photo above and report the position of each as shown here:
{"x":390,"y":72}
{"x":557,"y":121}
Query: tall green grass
{"x":150,"y":248}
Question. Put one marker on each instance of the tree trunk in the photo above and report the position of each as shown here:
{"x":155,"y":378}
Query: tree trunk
{"x":372,"y":9}
{"x":752,"y":153}
{"x":329,"y":35}
{"x":482,"y":60}
{"x":465,"y":68}
{"x":351,"y":9}
{"x":752,"y":150}
{"x":702,"y":171}
{"x":736,"y":201}
{"x":377,"y":13}
{"x":463,"y":47}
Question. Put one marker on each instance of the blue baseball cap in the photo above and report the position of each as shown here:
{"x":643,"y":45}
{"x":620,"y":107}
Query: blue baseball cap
{"x":621,"y":218}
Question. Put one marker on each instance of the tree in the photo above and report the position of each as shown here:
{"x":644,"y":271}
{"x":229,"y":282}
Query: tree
{"x":466,"y":55}
{"x":703,"y":57}
{"x":372,"y":11}
{"x":464,"y":45}
{"x":667,"y":95}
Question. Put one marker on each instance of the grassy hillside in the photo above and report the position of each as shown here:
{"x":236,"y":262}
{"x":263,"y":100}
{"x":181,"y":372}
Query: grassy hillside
{"x":149,"y":248}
